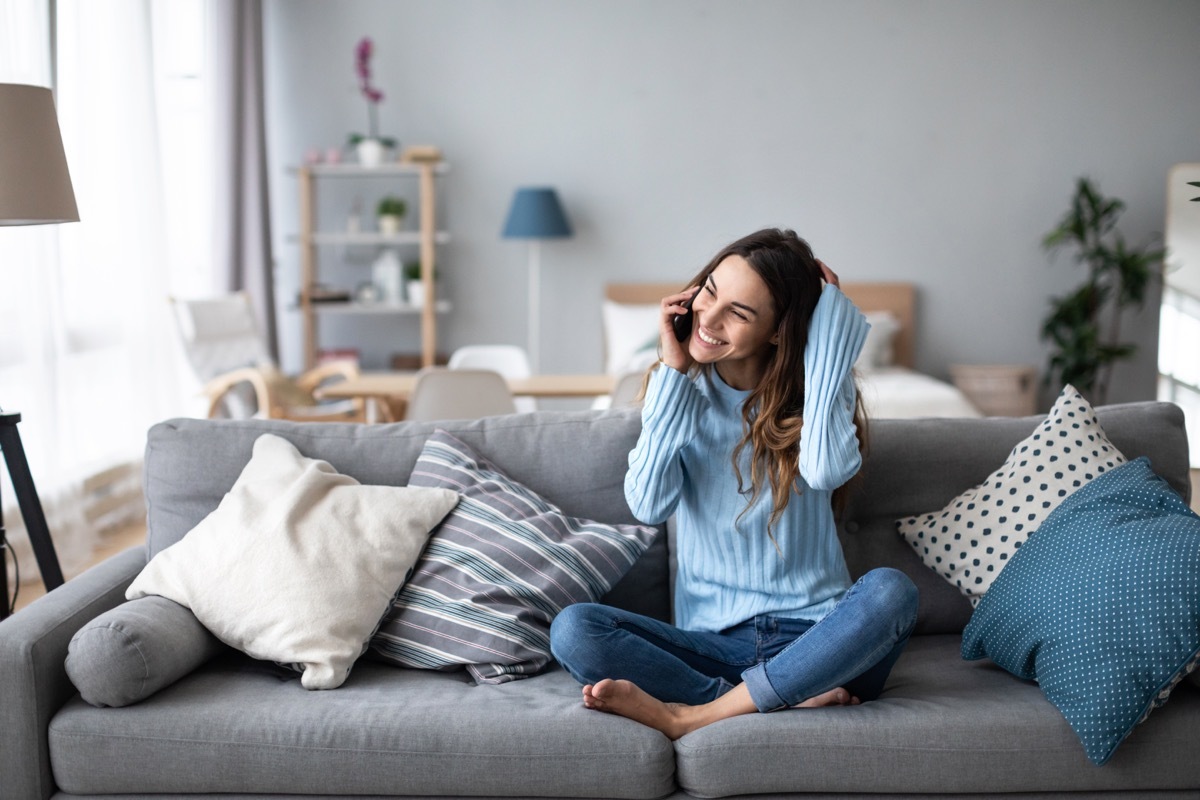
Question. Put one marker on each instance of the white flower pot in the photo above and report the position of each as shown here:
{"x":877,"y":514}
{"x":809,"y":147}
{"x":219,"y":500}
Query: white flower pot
{"x":370,"y":152}
{"x":389,"y":224}
{"x":416,"y":293}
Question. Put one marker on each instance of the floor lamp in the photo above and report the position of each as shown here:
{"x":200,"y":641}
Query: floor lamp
{"x":35,"y":189}
{"x":536,"y":214}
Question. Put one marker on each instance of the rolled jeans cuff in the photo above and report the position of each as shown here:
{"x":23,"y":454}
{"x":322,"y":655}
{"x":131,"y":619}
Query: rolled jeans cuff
{"x":761,"y":691}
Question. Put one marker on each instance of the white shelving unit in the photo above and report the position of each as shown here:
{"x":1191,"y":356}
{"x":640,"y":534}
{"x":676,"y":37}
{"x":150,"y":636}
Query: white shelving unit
{"x":426,"y":238}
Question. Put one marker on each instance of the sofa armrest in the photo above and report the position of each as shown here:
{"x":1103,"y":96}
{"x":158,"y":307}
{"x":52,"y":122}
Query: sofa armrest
{"x":33,"y":676}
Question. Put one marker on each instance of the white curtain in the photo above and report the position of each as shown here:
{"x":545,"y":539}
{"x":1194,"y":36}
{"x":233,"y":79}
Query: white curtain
{"x":88,"y":351}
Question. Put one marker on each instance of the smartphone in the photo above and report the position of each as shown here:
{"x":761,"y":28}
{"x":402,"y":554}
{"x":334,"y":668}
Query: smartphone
{"x":683,"y":322}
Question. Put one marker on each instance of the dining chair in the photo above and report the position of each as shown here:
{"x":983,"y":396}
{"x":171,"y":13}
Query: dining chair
{"x":626,"y":387}
{"x":229,"y":357}
{"x":443,"y":393}
{"x":507,"y":359}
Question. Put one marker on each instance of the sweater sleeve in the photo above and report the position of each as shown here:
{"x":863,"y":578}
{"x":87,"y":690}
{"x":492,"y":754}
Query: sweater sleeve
{"x":670,"y":416}
{"x":829,"y":454}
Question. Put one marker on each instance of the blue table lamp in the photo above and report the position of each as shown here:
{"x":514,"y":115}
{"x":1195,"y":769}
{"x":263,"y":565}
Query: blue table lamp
{"x":535,"y":214}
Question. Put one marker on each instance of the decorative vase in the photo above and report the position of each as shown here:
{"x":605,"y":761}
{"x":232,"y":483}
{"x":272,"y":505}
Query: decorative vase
{"x":370,"y":152}
{"x":389,"y":224}
{"x":386,"y":273}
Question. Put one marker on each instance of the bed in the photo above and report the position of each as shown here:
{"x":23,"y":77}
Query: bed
{"x":888,"y":380}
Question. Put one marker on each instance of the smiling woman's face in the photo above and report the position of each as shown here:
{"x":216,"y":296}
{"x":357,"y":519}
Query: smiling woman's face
{"x":734,"y":323}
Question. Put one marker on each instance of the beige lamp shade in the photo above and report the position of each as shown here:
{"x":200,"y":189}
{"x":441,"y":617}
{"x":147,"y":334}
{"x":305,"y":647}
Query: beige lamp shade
{"x":35,"y":186}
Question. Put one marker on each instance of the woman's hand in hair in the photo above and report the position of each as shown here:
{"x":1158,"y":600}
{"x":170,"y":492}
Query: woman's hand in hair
{"x":827,"y":274}
{"x":674,"y":353}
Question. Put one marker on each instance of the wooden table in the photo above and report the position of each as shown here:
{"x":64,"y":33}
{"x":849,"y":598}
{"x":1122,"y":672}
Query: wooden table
{"x":385,"y":391}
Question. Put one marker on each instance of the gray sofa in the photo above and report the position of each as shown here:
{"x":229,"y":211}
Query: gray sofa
{"x":943,"y":727}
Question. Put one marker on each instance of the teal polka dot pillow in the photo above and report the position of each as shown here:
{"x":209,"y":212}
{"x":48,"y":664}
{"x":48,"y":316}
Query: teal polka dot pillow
{"x":1101,"y":606}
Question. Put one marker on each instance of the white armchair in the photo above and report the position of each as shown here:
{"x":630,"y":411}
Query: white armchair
{"x":240,"y":379}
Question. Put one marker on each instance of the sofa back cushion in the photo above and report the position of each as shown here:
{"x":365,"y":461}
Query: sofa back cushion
{"x":917,"y":465}
{"x":576,"y":460}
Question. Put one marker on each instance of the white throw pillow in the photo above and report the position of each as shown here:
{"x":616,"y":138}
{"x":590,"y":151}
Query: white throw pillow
{"x":970,"y":540}
{"x":879,"y":349}
{"x":630,"y":335}
{"x":298,"y":564}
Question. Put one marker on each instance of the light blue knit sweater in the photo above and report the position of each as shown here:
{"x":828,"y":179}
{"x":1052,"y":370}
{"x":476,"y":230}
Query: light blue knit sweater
{"x":682,"y":464}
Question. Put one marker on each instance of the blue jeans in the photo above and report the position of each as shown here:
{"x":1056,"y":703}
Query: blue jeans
{"x":783,"y":662}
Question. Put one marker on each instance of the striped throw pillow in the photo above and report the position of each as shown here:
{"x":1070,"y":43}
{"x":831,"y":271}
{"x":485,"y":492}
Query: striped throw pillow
{"x":496,"y":572}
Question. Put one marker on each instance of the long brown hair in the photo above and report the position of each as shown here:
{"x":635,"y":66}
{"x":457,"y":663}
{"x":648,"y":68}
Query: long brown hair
{"x":773,"y":413}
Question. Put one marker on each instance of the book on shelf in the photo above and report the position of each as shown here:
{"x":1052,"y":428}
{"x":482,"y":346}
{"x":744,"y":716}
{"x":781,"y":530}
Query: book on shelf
{"x":333,"y":354}
{"x":328,"y":294}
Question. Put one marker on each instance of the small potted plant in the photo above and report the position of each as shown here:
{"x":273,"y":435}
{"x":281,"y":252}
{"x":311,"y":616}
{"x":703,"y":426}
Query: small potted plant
{"x":391,"y":211}
{"x":414,"y":288}
{"x":370,"y":148}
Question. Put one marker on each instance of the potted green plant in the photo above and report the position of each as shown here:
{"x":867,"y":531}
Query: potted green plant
{"x":1085,"y":325}
{"x":391,"y":211}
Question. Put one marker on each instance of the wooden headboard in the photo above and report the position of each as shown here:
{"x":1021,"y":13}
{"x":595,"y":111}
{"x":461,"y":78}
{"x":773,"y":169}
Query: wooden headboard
{"x":898,"y":298}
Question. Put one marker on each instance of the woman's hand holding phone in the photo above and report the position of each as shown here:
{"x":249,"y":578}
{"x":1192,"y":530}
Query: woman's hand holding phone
{"x":674,"y":347}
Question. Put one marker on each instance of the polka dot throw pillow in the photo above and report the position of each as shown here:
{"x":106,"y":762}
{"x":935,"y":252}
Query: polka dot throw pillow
{"x":970,"y":540}
{"x":1101,"y":606}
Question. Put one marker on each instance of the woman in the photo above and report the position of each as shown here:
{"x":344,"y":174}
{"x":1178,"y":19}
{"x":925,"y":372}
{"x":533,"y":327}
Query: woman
{"x":750,"y":428}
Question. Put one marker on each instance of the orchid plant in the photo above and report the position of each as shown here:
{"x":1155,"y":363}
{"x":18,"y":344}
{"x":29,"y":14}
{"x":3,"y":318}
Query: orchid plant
{"x":362,"y":67}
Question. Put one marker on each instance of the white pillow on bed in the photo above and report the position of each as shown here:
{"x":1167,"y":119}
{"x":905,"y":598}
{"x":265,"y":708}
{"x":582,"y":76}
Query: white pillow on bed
{"x":879,"y":348}
{"x":630,"y":335}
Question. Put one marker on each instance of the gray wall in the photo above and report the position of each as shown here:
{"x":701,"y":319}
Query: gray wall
{"x":930,"y":141}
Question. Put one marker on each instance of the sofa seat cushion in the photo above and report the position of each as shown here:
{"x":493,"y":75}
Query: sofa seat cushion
{"x":942,"y":725}
{"x":246,"y":727}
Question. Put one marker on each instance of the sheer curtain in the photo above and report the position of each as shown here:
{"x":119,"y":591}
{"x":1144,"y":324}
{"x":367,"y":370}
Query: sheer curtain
{"x":88,"y":351}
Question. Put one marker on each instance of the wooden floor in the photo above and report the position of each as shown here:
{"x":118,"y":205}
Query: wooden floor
{"x":111,"y":543}
{"x":124,"y":538}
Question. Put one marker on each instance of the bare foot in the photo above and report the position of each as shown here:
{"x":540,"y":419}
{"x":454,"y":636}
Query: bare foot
{"x":834,"y":697}
{"x":625,"y":699}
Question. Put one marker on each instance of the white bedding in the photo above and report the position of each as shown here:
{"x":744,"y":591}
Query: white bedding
{"x":897,"y":392}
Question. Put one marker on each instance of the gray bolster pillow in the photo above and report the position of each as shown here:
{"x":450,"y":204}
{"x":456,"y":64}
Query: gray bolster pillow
{"x":129,"y":653}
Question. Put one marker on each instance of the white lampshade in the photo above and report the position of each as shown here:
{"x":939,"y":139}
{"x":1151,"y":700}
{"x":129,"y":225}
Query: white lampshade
{"x":35,"y":186}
